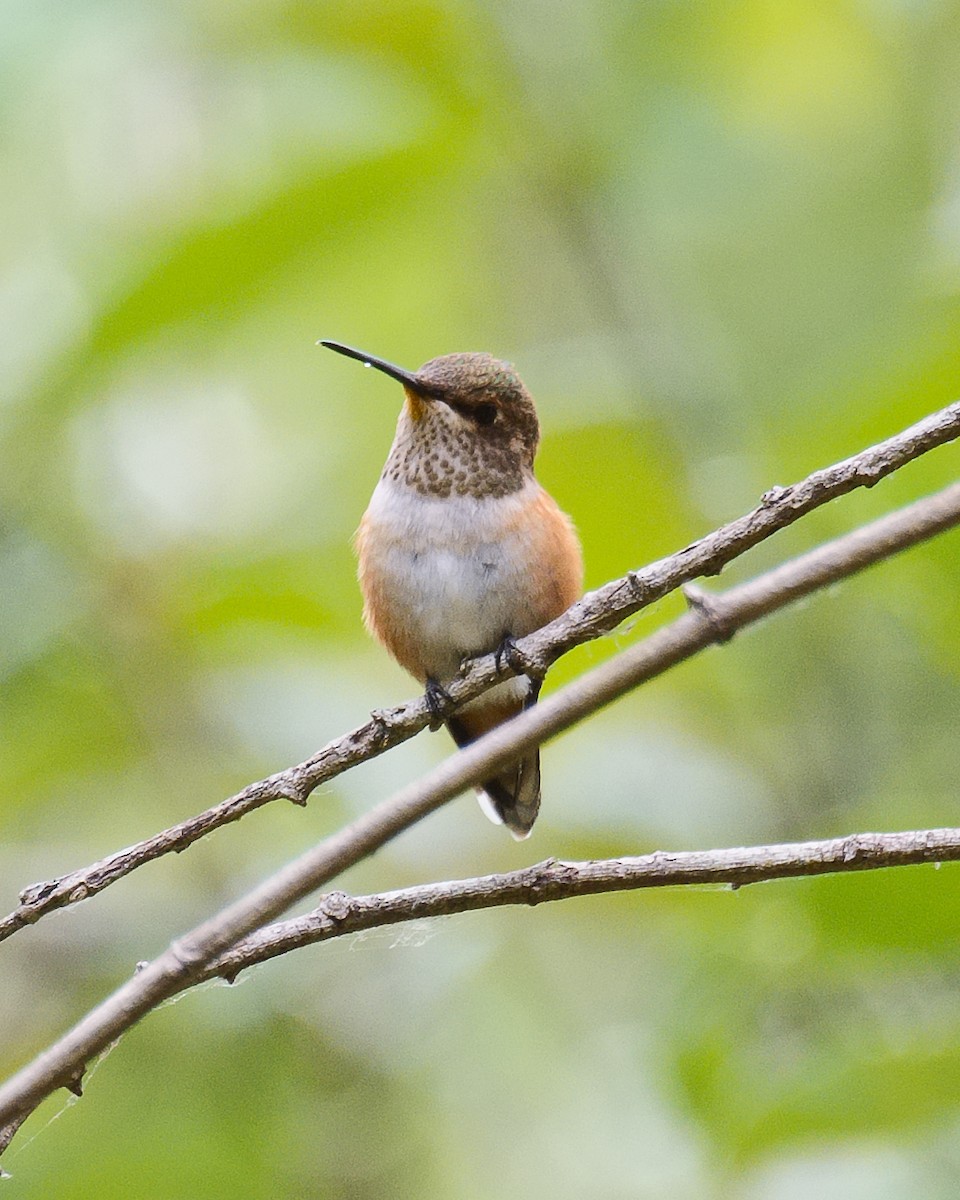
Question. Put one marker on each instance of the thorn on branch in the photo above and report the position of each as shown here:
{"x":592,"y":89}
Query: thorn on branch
{"x":871,"y":472}
{"x":707,"y":606}
{"x":639,"y":590}
{"x":382,"y":725}
{"x":292,"y":790}
{"x":74,"y":1081}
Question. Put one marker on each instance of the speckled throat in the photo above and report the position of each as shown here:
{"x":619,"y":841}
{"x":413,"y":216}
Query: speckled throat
{"x":437,"y":454}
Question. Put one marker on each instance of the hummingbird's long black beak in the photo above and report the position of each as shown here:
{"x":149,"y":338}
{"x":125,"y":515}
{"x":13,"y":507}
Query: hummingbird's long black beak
{"x":407,"y":378}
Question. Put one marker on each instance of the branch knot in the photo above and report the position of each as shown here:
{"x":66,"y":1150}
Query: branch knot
{"x":336,"y":906}
{"x":706,"y":605}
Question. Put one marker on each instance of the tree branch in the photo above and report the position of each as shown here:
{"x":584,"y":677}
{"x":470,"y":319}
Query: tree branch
{"x":339,"y":914}
{"x":595,"y":614}
{"x":710,"y":620}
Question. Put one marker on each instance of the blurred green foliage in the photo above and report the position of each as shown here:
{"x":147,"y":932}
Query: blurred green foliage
{"x":722,"y":244}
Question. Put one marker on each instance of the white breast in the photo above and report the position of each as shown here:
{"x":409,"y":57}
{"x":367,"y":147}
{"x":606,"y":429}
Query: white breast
{"x":454,"y":569}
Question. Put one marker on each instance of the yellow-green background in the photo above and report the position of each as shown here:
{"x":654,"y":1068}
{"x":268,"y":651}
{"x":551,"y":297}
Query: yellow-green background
{"x":721,"y":241}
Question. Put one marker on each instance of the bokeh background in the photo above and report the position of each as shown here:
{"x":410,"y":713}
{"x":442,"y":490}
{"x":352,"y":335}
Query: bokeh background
{"x":722,"y":244}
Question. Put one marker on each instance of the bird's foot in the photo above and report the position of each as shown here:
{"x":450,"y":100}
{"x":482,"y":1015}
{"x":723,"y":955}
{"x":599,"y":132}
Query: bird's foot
{"x":439,"y":701}
{"x":521,"y":664}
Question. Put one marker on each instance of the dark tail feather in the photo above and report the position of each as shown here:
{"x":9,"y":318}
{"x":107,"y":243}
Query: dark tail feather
{"x":512,"y":797}
{"x":515,"y":795}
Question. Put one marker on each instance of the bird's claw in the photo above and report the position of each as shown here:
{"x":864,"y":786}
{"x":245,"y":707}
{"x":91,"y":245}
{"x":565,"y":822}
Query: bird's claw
{"x":521,"y":664}
{"x":440,"y":703}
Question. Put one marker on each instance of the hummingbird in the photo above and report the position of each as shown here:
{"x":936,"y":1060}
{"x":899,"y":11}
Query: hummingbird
{"x":461,"y":550}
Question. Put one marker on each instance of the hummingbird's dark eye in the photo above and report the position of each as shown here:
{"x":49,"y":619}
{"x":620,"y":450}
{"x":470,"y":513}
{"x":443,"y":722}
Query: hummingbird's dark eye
{"x":485,"y":414}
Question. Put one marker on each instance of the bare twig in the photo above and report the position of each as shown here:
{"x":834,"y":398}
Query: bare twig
{"x":340,"y":914}
{"x":595,"y":614}
{"x":188,"y":959}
